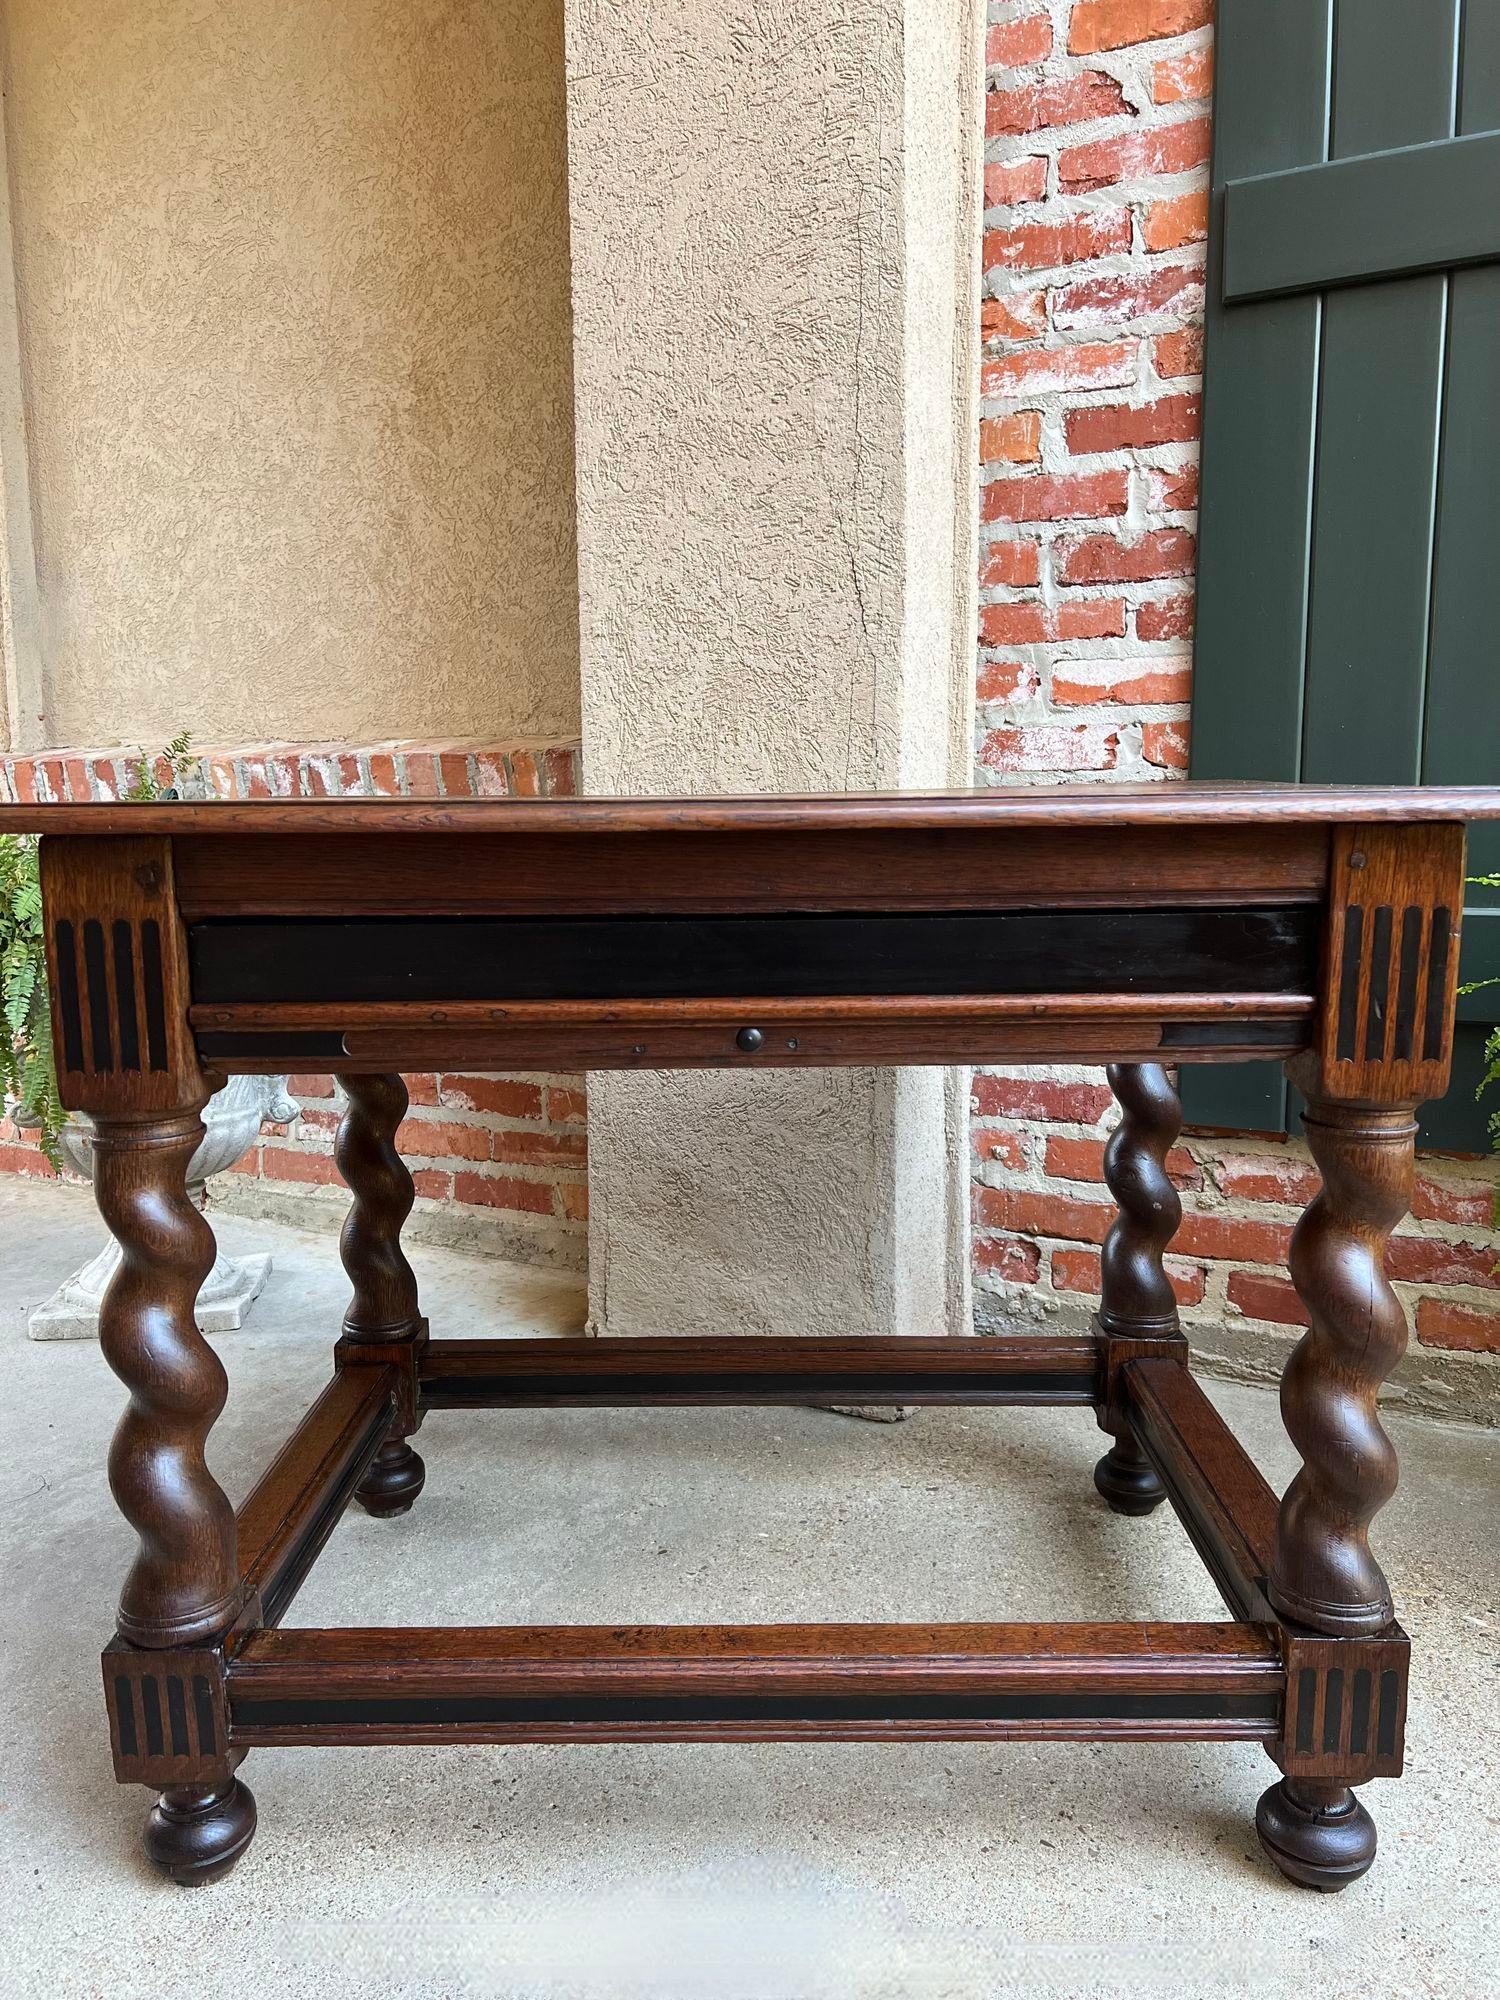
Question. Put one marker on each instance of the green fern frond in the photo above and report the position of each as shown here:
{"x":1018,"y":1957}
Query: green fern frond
{"x":27,"y":1072}
{"x":143,"y":787}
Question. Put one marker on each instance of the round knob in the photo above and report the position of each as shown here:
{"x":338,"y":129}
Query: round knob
{"x":749,"y":1039}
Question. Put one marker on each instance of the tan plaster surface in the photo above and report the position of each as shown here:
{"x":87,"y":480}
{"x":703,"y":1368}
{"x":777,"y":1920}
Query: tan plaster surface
{"x":296,"y":348}
{"x":773,"y":212}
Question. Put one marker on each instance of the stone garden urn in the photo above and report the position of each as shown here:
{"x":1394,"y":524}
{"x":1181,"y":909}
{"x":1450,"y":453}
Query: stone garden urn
{"x":231,"y":1119}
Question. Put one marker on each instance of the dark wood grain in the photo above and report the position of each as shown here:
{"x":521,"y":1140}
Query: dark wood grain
{"x":1315,"y":1670}
{"x":184,"y":1583}
{"x":1137,"y":1299}
{"x":118,"y":976}
{"x":1137,"y":1306}
{"x":1324,"y":1574}
{"x":1345,"y":1705}
{"x":516,"y":872}
{"x":948,"y":1008}
{"x":634,"y":1034}
{"x":755,"y":1369}
{"x":168,"y":1713}
{"x":1316,"y":1832}
{"x":296,"y":1504}
{"x":739,"y":1683}
{"x":1215,"y":1488}
{"x":790,"y":1039}
{"x":1395,"y":909}
{"x":196,"y":1833}
{"x":384,"y":1322}
{"x":1190,"y":804}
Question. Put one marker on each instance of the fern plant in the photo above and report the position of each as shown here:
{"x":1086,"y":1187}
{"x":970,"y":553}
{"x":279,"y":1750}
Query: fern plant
{"x":26,"y":1066}
{"x":145,"y":786}
{"x":28,"y":1073}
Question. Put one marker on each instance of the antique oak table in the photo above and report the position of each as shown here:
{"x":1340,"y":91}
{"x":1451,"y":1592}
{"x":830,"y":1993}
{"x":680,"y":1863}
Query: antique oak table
{"x":1144,"y":927}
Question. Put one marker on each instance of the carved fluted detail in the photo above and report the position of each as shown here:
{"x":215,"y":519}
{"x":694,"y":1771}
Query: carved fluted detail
{"x":1324,"y":1574}
{"x":1137,"y":1294}
{"x":183,"y":1584}
{"x":384,"y":1305}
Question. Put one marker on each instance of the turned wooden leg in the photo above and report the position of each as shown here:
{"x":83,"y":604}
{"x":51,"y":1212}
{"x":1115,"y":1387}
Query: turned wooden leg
{"x":383,"y":1312}
{"x":183,"y":1587}
{"x":184,"y":1582}
{"x":1137,"y":1302}
{"x":1323,"y":1574}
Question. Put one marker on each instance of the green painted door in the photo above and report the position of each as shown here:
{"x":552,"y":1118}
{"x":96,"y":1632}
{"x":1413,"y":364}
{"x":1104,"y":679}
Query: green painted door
{"x":1350,"y":525}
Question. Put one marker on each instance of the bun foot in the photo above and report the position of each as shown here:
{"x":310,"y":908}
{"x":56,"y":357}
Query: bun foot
{"x":1317,"y":1833}
{"x":1127,"y":1480}
{"x":196,"y":1833}
{"x":393,"y":1481}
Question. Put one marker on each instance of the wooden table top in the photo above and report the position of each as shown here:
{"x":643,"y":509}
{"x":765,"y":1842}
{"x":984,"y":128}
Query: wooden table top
{"x":1188,"y":803}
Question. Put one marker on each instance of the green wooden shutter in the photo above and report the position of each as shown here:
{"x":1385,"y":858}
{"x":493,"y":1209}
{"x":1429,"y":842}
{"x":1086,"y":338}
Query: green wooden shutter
{"x":1349,"y":550}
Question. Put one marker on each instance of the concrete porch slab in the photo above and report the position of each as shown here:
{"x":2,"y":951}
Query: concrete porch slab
{"x":766,"y":1872}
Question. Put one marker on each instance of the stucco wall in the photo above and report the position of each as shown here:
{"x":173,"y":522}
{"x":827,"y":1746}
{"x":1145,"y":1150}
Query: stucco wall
{"x":774,"y":224}
{"x":296,"y":357}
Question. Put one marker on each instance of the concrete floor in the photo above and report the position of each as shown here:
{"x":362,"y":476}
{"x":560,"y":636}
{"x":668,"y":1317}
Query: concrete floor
{"x":769,"y":1872}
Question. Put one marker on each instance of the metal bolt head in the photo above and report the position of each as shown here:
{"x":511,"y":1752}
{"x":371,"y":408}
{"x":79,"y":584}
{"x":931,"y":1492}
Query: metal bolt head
{"x":749,"y":1039}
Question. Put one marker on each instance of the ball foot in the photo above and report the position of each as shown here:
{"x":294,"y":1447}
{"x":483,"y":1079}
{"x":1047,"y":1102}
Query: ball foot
{"x":1126,"y":1479}
{"x":1317,"y":1833}
{"x":393,"y":1481}
{"x":196,"y":1833}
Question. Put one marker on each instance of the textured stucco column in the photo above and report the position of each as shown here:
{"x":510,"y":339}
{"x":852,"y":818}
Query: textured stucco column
{"x":774,"y":213}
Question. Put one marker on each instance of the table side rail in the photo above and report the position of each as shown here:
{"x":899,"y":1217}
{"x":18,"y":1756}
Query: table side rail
{"x":298,"y":1501}
{"x":1214,"y":1486}
{"x":752,"y":1369}
{"x":838,"y":1682}
{"x":506,"y":865}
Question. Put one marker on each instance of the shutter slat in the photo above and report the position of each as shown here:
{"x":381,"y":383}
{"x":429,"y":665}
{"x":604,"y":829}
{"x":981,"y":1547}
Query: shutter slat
{"x":1379,"y":408}
{"x":1393,"y":86}
{"x":1419,"y":208}
{"x":1372,"y":533}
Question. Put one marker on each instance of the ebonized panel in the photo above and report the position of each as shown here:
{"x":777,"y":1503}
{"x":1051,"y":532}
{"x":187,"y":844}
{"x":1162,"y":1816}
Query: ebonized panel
{"x":753,"y":1369}
{"x":489,"y":1711}
{"x":602,"y":958}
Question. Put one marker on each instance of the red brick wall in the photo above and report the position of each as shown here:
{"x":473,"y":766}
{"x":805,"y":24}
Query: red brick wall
{"x":1097,"y":142}
{"x":1097,"y":136}
{"x":499,"y":1159}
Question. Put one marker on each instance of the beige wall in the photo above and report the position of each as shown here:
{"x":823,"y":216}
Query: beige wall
{"x":295,"y":345}
{"x":775,"y":228}
{"x":775,"y":253}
